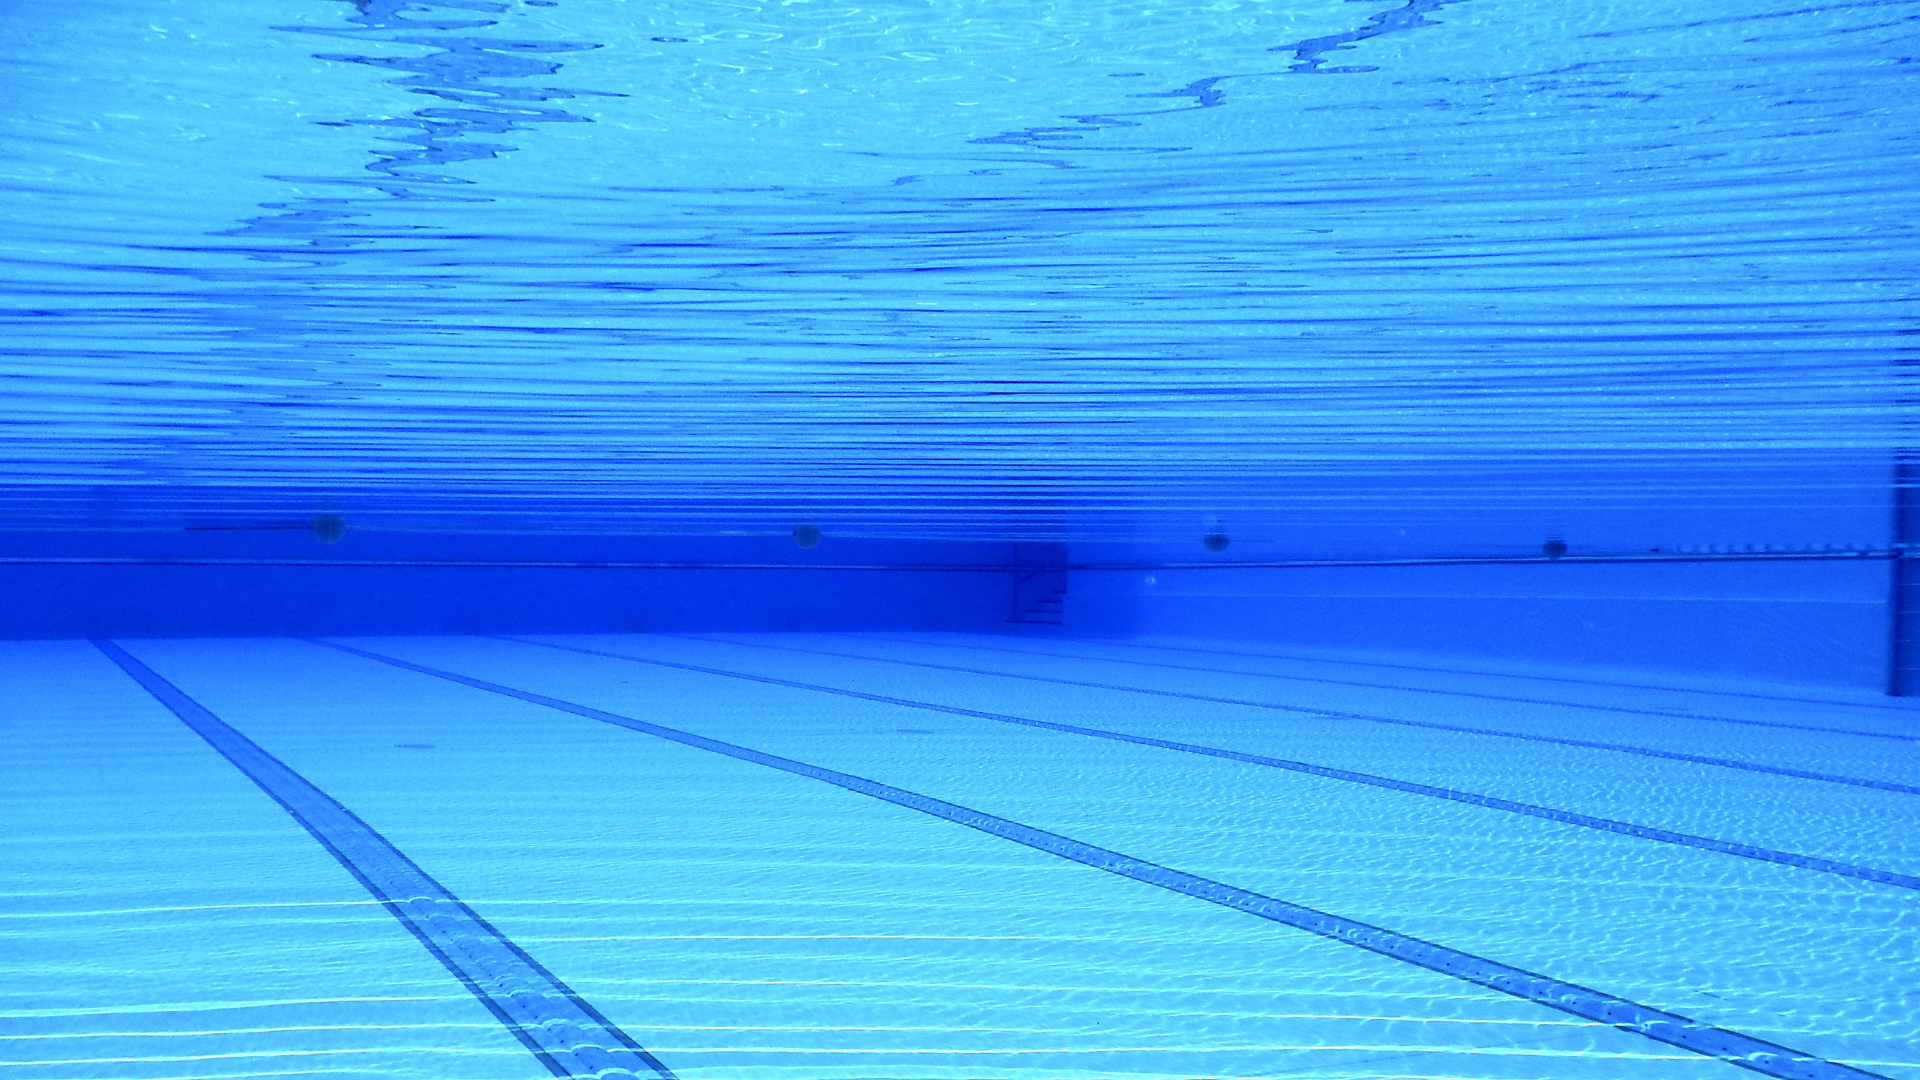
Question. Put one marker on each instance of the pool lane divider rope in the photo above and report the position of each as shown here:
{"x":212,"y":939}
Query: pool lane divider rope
{"x":1745,"y":1051}
{"x":1621,"y":748}
{"x":1567,"y":817}
{"x":566,"y":1034}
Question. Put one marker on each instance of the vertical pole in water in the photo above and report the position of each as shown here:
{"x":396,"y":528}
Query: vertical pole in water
{"x":1904,"y":651}
{"x":1903,"y":679}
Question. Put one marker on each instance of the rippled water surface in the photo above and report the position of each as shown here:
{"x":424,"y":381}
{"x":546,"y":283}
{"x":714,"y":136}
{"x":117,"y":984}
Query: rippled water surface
{"x":1043,"y":270}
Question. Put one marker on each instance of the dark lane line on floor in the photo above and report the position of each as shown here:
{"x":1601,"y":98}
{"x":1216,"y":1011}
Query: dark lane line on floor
{"x":1745,"y":1051}
{"x":1620,"y":748}
{"x":1034,"y":653}
{"x":1566,"y":817}
{"x":566,"y":1034}
{"x":1883,"y":706}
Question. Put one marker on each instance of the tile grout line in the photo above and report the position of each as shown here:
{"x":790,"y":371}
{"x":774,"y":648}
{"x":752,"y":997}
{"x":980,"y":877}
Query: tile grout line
{"x":566,"y":1034}
{"x":1737,"y":1049}
{"x":1037,"y":654}
{"x":1491,"y":802}
{"x":1470,"y":672}
{"x":1586,"y":744}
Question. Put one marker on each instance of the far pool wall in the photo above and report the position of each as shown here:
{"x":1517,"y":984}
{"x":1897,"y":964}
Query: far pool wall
{"x":1819,"y":622}
{"x":219,"y":583}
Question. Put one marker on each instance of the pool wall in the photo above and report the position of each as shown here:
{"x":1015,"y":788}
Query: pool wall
{"x":1826,"y":622}
{"x":260,"y":582}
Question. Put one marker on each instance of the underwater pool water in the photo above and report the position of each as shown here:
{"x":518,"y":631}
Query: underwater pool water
{"x":1069,"y":540}
{"x":1344,"y":276}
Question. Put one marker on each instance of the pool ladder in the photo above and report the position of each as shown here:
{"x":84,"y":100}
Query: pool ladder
{"x":1039,"y":596}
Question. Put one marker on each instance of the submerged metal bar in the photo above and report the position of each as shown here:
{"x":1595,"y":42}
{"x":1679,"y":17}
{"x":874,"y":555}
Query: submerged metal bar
{"x":569,"y":1036}
{"x":1745,"y":1051}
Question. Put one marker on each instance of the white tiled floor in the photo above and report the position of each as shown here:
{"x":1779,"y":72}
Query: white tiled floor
{"x":743,"y":922}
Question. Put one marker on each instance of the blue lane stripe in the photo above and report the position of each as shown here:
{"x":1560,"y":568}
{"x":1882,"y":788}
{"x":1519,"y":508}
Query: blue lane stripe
{"x":566,"y":1034}
{"x":1624,"y":828}
{"x":1043,"y":655}
{"x":1745,"y":1051}
{"x":1910,"y":711}
{"x":1641,"y":751}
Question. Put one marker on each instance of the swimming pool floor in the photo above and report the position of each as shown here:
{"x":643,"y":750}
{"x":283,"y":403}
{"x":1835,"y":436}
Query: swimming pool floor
{"x":855,"y":857}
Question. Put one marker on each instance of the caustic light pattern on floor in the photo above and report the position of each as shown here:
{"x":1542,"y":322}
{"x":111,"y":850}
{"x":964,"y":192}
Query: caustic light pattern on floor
{"x":937,"y":856}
